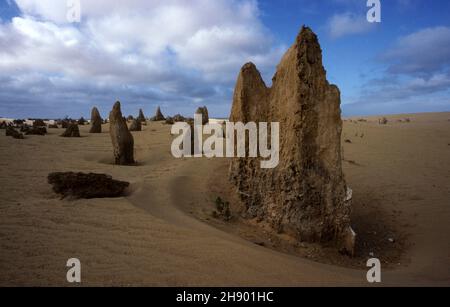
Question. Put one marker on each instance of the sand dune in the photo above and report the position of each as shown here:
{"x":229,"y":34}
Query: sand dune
{"x":162,"y":233}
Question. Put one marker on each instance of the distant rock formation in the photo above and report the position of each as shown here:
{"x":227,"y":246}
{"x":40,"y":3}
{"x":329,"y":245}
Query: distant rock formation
{"x":39,"y":123}
{"x":306,"y":195}
{"x":80,"y":185}
{"x":179,"y":118}
{"x":136,"y":125}
{"x":96,"y":121}
{"x":204,"y":112}
{"x":65,"y":123}
{"x":122,"y":140}
{"x":81,"y":121}
{"x":10,"y":131}
{"x":141,"y":116}
{"x":169,"y":121}
{"x":158,"y":116}
{"x":72,"y":131}
{"x":33,"y":130}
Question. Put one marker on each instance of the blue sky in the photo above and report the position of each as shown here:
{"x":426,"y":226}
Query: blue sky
{"x":183,"y":54}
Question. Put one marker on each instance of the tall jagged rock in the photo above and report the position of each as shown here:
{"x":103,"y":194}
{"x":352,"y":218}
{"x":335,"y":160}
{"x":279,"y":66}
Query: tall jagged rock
{"x":96,"y":121}
{"x":305,"y":195}
{"x":141,"y":116}
{"x":158,"y":116}
{"x":122,"y":140}
{"x":204,"y":112}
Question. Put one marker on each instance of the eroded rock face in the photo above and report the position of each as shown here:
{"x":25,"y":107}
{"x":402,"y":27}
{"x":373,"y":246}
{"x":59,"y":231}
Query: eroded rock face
{"x":306,"y":195}
{"x":96,"y":121}
{"x":72,"y":131}
{"x":205,"y":116}
{"x":80,"y":185}
{"x":122,"y":140}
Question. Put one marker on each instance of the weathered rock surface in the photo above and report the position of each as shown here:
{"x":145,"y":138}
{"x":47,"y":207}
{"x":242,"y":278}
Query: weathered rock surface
{"x":121,"y":138}
{"x":306,"y":195}
{"x":72,"y":131}
{"x":96,"y":121}
{"x":136,"y":125}
{"x":80,"y":185}
{"x":204,"y":112}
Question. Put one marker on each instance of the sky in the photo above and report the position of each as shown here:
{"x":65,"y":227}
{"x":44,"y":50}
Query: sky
{"x":181,"y":54}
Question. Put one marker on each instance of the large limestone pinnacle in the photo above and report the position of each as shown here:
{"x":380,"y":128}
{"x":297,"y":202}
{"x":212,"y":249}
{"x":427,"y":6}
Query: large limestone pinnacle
{"x":122,"y":140}
{"x":305,"y":195}
{"x":96,"y":121}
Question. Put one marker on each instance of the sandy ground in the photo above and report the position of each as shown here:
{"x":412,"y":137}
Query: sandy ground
{"x":163,"y":233}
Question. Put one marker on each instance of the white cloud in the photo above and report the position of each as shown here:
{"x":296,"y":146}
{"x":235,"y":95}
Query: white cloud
{"x":340,"y":25}
{"x":424,"y":52}
{"x":160,"y":50}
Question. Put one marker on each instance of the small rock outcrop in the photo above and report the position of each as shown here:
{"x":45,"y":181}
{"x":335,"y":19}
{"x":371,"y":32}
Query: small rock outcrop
{"x":33,"y":130}
{"x":10,"y":131}
{"x":96,"y":121}
{"x":80,"y":185}
{"x":121,"y":138}
{"x":306,"y":195}
{"x":136,"y":125}
{"x":72,"y":131}
{"x":204,"y":112}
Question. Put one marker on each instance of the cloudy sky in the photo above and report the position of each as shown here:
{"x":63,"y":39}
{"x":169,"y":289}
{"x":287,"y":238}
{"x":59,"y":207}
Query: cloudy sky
{"x":181,"y":54}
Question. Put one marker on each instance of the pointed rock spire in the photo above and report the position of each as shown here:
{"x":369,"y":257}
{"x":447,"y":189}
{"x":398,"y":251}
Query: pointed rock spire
{"x":305,"y":195}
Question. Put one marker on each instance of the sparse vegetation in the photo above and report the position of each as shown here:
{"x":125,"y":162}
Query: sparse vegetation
{"x":222,"y":210}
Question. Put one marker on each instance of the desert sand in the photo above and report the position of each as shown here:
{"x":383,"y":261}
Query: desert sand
{"x":163,"y":234}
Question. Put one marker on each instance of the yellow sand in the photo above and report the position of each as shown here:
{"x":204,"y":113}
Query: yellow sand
{"x":400,"y":175}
